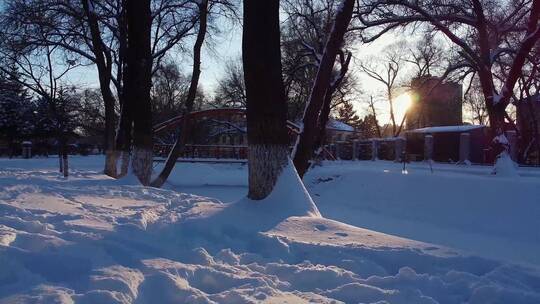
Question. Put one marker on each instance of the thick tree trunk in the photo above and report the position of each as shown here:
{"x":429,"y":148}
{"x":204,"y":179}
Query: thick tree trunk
{"x":268,"y":139}
{"x":137,"y":86}
{"x":125,"y":125}
{"x":190,"y":101}
{"x":110,"y":126}
{"x":123,"y":137}
{"x":265,"y":165}
{"x":306,"y":140}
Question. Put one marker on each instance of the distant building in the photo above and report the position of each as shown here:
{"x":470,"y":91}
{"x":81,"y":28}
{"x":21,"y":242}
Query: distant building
{"x":338,"y":131}
{"x":434,"y":103}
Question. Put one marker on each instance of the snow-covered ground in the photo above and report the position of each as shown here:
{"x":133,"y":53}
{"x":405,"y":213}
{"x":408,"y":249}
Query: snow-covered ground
{"x":91,"y":239}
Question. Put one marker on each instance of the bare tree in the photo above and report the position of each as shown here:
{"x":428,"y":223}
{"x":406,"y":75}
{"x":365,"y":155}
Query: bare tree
{"x":386,"y":70}
{"x":96,"y":32}
{"x":190,"y":101}
{"x":305,"y":32}
{"x":427,"y":55}
{"x":40,"y":69}
{"x":474,"y":103}
{"x":231,"y":89}
{"x":371,"y":105}
{"x":304,"y":146}
{"x":478,"y":28}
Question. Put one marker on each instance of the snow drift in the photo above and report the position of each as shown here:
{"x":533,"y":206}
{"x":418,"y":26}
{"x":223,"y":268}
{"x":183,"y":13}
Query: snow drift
{"x":91,"y":239}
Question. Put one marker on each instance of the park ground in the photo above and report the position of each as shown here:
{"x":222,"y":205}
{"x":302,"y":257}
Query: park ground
{"x":373,"y":233}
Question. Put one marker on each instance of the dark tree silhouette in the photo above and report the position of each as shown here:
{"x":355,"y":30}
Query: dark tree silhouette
{"x":306,"y":140}
{"x":266,"y":103}
{"x":137,"y":85}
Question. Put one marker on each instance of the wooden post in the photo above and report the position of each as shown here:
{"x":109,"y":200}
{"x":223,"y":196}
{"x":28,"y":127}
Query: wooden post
{"x":338,"y":150}
{"x":354,"y":149}
{"x":464,"y":148}
{"x":399,"y":148}
{"x":428,"y":147}
{"x":374,"y":149}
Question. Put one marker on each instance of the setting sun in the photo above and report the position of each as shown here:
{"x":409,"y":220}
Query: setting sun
{"x":401,"y":105}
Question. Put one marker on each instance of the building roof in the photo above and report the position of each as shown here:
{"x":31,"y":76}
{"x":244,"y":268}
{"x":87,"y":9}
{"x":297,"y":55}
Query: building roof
{"x":447,"y":129}
{"x":332,"y":124}
{"x":338,"y":126}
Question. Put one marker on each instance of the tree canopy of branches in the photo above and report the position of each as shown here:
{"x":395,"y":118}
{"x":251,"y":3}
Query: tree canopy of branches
{"x":231,"y":89}
{"x":304,"y":35}
{"x":480,"y":28}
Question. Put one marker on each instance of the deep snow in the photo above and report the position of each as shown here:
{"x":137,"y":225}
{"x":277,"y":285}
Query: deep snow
{"x":91,"y":239}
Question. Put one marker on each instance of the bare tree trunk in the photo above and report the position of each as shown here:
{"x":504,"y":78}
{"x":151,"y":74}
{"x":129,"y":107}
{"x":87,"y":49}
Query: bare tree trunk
{"x":103,"y":62}
{"x":327,"y":103}
{"x":60,"y":163}
{"x":123,"y":137}
{"x":306,"y":139}
{"x":125,"y":125}
{"x":192,"y":93}
{"x":266,"y":103}
{"x":63,"y":157}
{"x":374,"y":112}
{"x":65,"y":164}
{"x":137,"y":86}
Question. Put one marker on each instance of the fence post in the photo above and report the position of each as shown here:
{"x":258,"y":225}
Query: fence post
{"x":374,"y":149}
{"x":428,"y":147}
{"x":354,"y":149}
{"x":338,"y":150}
{"x":511,"y":135}
{"x":464,"y":148}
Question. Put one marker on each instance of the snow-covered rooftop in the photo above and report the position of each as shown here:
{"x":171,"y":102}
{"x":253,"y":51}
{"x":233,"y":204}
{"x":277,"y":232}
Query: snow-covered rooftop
{"x":338,"y":125}
{"x":443,"y":129}
{"x":332,"y":124}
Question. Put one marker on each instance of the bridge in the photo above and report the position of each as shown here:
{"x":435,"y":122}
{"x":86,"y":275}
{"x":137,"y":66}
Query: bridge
{"x":219,"y":134}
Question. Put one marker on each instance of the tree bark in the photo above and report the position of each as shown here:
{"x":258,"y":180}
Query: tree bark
{"x":123,"y":136}
{"x":137,"y":85}
{"x":306,"y":140}
{"x":125,"y":125}
{"x":190,"y":101}
{"x":103,"y":62}
{"x":266,"y":107}
{"x":63,"y":157}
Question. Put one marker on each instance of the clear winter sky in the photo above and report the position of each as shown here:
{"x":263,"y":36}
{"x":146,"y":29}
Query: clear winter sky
{"x":228,"y":45}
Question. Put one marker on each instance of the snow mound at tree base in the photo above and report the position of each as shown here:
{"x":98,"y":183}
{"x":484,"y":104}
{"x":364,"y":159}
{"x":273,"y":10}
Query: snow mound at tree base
{"x":91,"y":239}
{"x":505,"y":166}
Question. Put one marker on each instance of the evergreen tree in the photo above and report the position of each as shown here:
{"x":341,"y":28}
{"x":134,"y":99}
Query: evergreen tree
{"x":15,"y":108}
{"x":347,"y":114}
{"x":368,"y":126}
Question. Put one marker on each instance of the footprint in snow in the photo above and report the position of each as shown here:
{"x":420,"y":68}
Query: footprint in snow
{"x":321,"y":227}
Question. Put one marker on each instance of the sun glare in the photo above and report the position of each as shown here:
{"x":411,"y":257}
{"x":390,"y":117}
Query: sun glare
{"x":401,"y":105}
